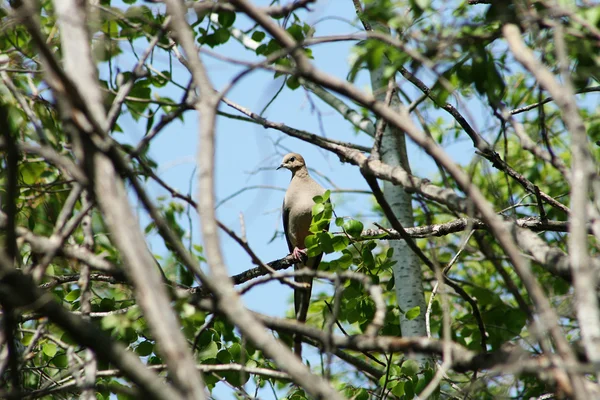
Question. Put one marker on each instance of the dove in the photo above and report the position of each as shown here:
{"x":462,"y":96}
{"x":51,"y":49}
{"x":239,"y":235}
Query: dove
{"x":297,"y":216}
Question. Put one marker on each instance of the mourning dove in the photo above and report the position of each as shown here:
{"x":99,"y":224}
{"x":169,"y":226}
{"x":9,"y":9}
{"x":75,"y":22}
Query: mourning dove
{"x":297,"y":216}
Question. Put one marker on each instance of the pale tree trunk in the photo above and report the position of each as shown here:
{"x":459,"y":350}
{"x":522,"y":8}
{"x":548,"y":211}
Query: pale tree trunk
{"x":408,"y":280}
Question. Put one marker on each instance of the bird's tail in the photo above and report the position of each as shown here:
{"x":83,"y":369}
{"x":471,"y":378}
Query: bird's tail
{"x":301,"y":303}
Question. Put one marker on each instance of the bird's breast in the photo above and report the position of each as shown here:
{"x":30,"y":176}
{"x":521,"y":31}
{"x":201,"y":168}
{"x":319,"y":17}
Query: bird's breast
{"x":298,"y":204}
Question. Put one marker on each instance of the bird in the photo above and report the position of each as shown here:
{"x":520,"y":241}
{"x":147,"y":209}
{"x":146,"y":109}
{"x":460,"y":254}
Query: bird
{"x":297,"y":216}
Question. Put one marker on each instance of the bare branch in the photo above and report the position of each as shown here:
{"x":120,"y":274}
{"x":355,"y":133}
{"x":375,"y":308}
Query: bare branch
{"x":550,"y":99}
{"x":275,"y":11}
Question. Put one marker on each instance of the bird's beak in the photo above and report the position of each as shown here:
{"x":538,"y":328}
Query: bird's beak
{"x":278,"y":168}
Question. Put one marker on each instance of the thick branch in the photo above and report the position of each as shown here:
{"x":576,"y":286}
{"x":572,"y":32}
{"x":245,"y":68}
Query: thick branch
{"x":275,"y":11}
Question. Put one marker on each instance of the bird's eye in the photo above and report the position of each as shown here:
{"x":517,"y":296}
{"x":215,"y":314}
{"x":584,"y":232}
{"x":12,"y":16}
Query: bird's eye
{"x":293,"y":159}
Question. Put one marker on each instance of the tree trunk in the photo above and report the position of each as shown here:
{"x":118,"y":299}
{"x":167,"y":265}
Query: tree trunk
{"x":408,"y":280}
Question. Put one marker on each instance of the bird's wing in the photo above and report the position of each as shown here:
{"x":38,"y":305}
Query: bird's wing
{"x":285,"y":212}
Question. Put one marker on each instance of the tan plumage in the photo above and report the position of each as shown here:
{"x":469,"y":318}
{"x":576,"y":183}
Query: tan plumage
{"x":297,"y":216}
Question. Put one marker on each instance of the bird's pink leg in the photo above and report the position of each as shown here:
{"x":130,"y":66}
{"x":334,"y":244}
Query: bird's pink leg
{"x":298,"y":253}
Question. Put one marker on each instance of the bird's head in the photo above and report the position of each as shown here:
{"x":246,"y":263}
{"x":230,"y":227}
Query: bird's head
{"x":292,"y":161}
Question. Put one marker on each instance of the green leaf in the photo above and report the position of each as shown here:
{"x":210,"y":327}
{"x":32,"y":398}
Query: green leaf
{"x":226,"y":18}
{"x":367,"y":257}
{"x":60,"y":361}
{"x":398,"y":389}
{"x":560,"y":286}
{"x":328,"y":211}
{"x":72,"y":295}
{"x":154,"y":360}
{"x":383,"y":379}
{"x":107,"y":304}
{"x":326,"y":242}
{"x":220,"y":36}
{"x":129,"y":335}
{"x":374,"y":56}
{"x":413,"y":313}
{"x":353,"y":313}
{"x":339,"y":221}
{"x":410,"y":367}
{"x":49,"y":349}
{"x":236,"y":352}
{"x":311,"y":241}
{"x":318,"y":209}
{"x":205,"y":338}
{"x":258,"y":36}
{"x":261,"y":49}
{"x":110,"y":321}
{"x":420,"y":385}
{"x":409,"y":388}
{"x":150,"y":227}
{"x":210,"y":351}
{"x":292,"y":82}
{"x":313,"y":251}
{"x":296,"y":32}
{"x":515,"y":320}
{"x":161,"y":80}
{"x":357,"y":393}
{"x":123,"y":395}
{"x":31,"y":172}
{"x":345,"y":260}
{"x":141,"y":91}
{"x":353,"y":227}
{"x":389,"y":71}
{"x":235,"y":379}
{"x":145,"y":348}
{"x":224,"y":357}
{"x":321,"y":224}
{"x":272,"y":47}
{"x":339,"y":243}
{"x":485,"y":296}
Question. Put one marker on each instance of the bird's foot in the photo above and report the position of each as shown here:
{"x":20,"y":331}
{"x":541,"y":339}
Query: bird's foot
{"x":299,"y":254}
